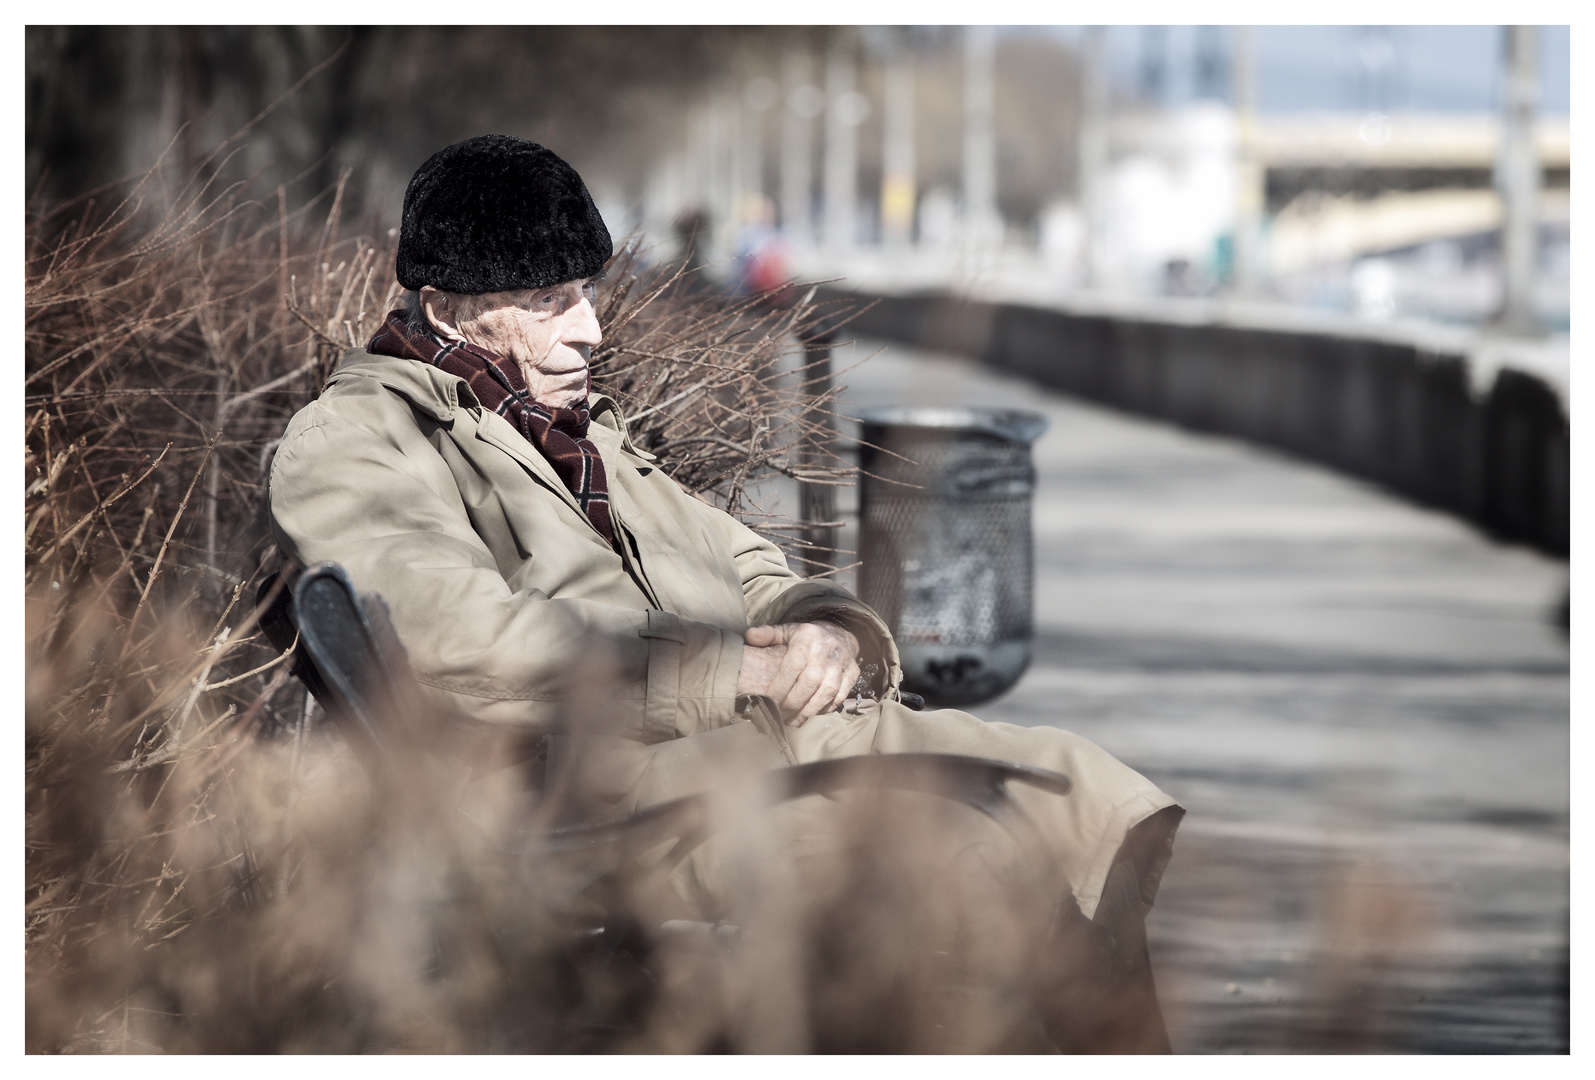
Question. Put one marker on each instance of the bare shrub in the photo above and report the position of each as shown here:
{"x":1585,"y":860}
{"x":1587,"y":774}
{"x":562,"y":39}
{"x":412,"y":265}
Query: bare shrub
{"x":204,"y":867}
{"x":269,"y":896}
{"x":724,"y":392}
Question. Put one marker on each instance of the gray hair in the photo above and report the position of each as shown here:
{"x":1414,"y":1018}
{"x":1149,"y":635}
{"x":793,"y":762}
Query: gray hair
{"x":465,"y":306}
{"x":415,"y":315}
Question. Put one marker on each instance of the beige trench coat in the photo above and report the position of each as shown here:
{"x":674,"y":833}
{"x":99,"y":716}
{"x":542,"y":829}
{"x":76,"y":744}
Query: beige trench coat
{"x":516,"y":613}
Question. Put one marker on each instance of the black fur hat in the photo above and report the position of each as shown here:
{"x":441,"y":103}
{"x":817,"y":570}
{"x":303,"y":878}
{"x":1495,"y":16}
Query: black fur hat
{"x":496,"y":213}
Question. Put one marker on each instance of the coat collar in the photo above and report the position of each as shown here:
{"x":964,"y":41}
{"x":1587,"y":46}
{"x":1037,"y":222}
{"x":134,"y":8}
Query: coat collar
{"x":430,"y":389}
{"x":441,"y":395}
{"x":438,"y":394}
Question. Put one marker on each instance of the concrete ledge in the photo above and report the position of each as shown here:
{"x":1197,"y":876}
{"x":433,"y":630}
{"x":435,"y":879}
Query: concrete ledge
{"x":1399,"y":412}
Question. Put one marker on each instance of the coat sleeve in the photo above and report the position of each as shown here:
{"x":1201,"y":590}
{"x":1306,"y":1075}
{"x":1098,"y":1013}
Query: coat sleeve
{"x":774,"y":594}
{"x":386,"y":508}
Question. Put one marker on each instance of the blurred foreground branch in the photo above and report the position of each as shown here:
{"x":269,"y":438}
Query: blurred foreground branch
{"x":203,"y":871}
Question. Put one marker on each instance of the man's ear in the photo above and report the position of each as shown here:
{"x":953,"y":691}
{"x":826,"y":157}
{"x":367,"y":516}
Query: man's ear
{"x":440,"y":312}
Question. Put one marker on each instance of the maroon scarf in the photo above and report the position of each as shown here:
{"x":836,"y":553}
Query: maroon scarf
{"x":558,"y":434}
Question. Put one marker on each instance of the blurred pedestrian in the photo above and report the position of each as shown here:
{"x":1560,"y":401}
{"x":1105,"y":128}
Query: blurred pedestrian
{"x":763,"y":256}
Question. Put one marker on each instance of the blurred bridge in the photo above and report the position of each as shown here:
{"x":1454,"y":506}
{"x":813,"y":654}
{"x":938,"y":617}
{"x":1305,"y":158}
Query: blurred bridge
{"x":1362,"y":703}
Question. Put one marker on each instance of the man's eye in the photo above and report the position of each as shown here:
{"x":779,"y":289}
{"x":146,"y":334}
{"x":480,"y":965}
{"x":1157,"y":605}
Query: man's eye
{"x":590,"y":291}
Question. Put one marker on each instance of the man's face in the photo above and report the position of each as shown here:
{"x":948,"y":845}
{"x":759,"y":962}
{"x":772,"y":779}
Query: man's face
{"x":549,"y":332}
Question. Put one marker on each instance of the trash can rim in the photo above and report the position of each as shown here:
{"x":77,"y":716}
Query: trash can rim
{"x":1017,"y":425}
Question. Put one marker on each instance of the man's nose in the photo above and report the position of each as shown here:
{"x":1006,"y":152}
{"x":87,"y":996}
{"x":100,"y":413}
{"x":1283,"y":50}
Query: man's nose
{"x":581,"y":324}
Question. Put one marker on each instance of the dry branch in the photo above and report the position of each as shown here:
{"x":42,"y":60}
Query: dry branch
{"x":166,"y":744}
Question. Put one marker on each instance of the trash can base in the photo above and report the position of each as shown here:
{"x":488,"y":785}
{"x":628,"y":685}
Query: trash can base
{"x":958,"y":675}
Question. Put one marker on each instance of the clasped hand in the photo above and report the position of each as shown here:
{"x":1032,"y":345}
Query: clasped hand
{"x":805,"y":668}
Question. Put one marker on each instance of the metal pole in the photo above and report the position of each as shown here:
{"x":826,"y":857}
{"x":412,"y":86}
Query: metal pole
{"x":841,"y":152}
{"x":757,"y":98}
{"x":1154,"y":57}
{"x":982,"y":225}
{"x":735,"y":121}
{"x":897,"y":154}
{"x":709,"y":180}
{"x":1248,"y":175}
{"x":803,"y":103}
{"x":1518,"y":180}
{"x":817,"y":502}
{"x":1093,"y":157}
{"x":713,"y":179}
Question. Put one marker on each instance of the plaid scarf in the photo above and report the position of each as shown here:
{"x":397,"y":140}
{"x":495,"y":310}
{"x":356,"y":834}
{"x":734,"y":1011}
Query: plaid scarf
{"x":558,"y":434}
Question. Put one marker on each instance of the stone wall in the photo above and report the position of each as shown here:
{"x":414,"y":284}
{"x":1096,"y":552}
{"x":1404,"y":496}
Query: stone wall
{"x":1396,"y":413}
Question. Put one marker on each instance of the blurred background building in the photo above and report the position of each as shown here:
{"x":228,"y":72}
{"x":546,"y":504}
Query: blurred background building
{"x":1369,"y":170}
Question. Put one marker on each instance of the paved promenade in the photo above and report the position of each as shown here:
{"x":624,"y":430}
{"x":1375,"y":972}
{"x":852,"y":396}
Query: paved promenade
{"x":1363,"y":705}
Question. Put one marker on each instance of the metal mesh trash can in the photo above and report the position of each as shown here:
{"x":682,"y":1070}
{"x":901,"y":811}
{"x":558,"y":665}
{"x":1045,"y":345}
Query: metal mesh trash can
{"x":945,"y":541}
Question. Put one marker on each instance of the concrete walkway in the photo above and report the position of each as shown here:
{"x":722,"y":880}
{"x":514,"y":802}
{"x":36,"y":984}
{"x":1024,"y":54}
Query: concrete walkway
{"x":1362,"y":704}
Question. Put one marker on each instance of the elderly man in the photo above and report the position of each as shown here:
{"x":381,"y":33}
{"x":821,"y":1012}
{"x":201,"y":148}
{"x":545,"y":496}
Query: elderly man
{"x":544,"y":575}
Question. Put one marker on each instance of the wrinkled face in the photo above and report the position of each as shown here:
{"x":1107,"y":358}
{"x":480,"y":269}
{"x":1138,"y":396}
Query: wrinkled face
{"x":549,"y":332}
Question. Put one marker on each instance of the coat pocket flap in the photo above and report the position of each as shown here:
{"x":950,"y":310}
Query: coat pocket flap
{"x":664,"y":625}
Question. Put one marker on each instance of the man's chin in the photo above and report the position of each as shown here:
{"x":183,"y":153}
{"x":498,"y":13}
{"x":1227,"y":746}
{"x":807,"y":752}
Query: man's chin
{"x":570,"y":392}
{"x":566,"y":399}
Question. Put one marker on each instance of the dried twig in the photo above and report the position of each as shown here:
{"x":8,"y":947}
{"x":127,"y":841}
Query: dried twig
{"x":147,"y":334}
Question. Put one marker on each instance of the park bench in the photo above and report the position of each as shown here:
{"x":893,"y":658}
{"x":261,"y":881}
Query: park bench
{"x":351,"y":660}
{"x":348,"y":656}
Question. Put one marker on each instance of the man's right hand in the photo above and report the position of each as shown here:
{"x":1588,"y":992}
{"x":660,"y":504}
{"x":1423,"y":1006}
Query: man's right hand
{"x":805,"y":668}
